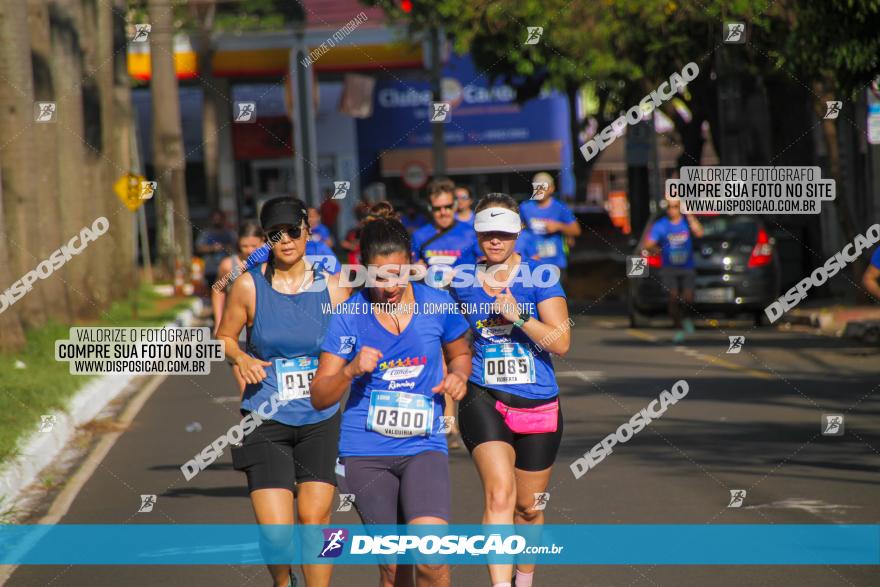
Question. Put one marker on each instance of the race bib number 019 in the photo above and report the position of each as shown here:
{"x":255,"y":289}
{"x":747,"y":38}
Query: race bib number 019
{"x":400,"y":415}
{"x":508,"y":363}
{"x":294,"y":377}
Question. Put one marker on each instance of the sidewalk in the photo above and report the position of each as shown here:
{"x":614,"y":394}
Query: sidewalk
{"x":859,"y":322}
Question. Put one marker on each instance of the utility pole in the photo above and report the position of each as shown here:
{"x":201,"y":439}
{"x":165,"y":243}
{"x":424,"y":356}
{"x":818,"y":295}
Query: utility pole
{"x":438,"y":146}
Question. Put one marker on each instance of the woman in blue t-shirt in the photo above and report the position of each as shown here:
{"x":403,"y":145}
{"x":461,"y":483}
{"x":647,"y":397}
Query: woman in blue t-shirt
{"x":388,"y":343}
{"x":510,"y":419}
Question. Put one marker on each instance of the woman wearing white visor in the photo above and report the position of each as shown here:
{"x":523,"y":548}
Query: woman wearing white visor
{"x":510,"y":420}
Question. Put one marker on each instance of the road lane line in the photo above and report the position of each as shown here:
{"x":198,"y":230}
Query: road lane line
{"x":587,"y":376}
{"x":717,"y":361}
{"x":642,"y":335}
{"x":62,"y":503}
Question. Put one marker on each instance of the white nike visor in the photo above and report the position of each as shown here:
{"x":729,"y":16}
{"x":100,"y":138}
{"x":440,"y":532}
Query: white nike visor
{"x":497,"y":220}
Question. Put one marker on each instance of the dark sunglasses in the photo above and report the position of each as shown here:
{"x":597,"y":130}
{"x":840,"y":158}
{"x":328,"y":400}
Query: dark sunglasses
{"x":438,"y":208}
{"x":294,"y":232}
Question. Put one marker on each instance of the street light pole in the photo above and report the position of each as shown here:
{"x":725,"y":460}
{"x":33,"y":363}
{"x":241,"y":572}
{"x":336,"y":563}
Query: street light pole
{"x":438,"y":147}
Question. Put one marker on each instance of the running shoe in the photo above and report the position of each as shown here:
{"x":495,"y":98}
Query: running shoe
{"x":688,"y":325}
{"x":679,"y":337}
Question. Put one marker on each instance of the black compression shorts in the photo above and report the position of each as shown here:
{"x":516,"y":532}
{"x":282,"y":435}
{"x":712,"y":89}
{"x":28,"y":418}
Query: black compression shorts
{"x":480,"y":422}
{"x":277,"y":456}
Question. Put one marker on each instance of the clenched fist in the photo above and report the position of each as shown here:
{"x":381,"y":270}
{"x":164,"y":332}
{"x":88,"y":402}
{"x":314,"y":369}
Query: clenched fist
{"x":365,"y":362}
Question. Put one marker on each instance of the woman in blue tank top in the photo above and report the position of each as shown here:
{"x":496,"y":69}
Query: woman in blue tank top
{"x":285,"y":305}
{"x":389,"y":343}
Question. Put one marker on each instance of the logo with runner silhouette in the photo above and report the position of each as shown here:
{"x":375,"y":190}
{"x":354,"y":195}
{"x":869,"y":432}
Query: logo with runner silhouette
{"x":245,"y":112}
{"x":534,"y":34}
{"x":334,"y":542}
{"x":147,"y":503}
{"x":636,"y":267}
{"x":736,"y":344}
{"x":346,"y":501}
{"x":832,"y":109}
{"x":735,"y":33}
{"x":737,"y":497}
{"x":539,"y":188}
{"x":832,"y":425}
{"x":346,"y":344}
{"x":340,"y":189}
{"x":541,"y":500}
{"x":440,"y":112}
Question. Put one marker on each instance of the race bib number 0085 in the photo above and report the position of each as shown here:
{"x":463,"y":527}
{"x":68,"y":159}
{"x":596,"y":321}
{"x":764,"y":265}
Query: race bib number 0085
{"x":400,"y":415}
{"x":508,"y":363}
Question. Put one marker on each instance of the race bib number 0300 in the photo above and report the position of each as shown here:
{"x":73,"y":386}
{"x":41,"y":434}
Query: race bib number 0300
{"x":508,"y":363}
{"x":294,"y":377}
{"x":400,"y":415}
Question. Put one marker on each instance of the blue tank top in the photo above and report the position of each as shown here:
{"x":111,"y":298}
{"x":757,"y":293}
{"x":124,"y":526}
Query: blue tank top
{"x":288,"y":331}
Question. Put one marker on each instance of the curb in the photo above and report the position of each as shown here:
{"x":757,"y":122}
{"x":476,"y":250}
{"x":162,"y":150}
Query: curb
{"x":39,"y":449}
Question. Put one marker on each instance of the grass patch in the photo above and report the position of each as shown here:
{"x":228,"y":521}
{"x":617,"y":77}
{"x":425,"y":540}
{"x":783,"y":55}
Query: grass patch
{"x":45,"y":385}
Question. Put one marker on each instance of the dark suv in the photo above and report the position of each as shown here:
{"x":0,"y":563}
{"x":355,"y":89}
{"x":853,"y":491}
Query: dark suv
{"x":738,"y":271}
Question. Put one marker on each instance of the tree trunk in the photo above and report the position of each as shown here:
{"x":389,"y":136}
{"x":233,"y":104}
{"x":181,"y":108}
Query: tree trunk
{"x":66,"y":64}
{"x":829,"y":131}
{"x":46,"y":192}
{"x":11,"y":331}
{"x":115,"y":88}
{"x":213,"y":102}
{"x":17,"y":156}
{"x":99,"y":169}
{"x":173,"y":226}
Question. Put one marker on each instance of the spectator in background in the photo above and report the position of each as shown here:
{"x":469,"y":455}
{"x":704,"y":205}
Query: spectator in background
{"x":445,"y":241}
{"x":412,"y":219}
{"x":549,"y":221}
{"x":871,"y":278}
{"x":214,"y":244}
{"x":673,"y":236}
{"x":320,"y":233}
{"x":351,"y":243}
{"x":329,"y":211}
{"x":464,"y":202}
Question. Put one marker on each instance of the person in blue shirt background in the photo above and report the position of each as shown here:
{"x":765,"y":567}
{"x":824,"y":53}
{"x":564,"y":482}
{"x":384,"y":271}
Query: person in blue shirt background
{"x":672,"y":235}
{"x":446,"y":241}
{"x":389,"y":344}
{"x":464,"y":202}
{"x":871,"y":278}
{"x":320,"y":233}
{"x":550,"y":221}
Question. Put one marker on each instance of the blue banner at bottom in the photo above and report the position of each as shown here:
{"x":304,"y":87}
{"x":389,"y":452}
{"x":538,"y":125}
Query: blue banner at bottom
{"x":573,"y":544}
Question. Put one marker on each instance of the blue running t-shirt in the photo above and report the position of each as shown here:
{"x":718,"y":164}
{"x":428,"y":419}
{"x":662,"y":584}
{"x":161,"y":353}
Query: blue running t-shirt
{"x":392,"y":411}
{"x":875,"y":258}
{"x":456,"y":247}
{"x":675,"y":242}
{"x":505,"y":358}
{"x":551,"y":247}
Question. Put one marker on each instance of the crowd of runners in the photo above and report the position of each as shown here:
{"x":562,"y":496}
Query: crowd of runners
{"x":404,"y":364}
{"x":428,"y":368}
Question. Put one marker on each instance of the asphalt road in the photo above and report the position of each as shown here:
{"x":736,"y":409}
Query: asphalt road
{"x":750,"y":421}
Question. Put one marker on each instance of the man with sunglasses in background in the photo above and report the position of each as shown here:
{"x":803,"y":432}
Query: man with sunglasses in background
{"x":445,"y":243}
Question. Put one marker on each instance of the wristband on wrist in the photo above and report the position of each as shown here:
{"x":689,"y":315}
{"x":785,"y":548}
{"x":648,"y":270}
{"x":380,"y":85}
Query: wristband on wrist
{"x":523,"y":318}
